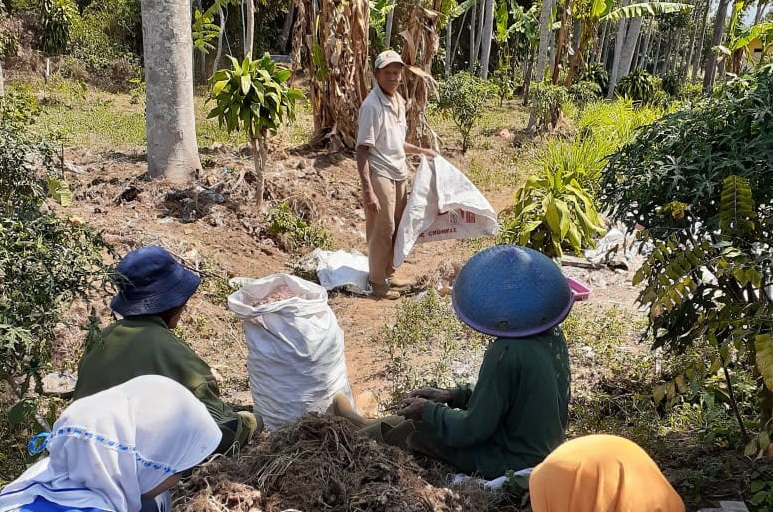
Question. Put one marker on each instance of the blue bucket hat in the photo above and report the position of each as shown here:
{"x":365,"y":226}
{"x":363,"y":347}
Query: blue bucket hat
{"x":511,"y":292}
{"x":151,"y":282}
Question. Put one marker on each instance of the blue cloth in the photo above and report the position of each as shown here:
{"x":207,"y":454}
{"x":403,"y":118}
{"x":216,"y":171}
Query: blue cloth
{"x":43,"y":505}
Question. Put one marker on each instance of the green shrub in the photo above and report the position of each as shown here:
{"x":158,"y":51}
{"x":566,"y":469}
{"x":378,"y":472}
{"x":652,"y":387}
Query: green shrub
{"x":463,"y":98}
{"x":293,"y":233}
{"x":691,"y":92}
{"x":672,"y":84}
{"x":699,"y":180}
{"x":503,"y":81}
{"x":596,"y":73}
{"x":638,"y":86}
{"x":551,"y":211}
{"x":585,"y":92}
{"x":549,"y":101}
{"x":56,"y":20}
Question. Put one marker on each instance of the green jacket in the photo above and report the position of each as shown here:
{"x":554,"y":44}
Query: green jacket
{"x":143,"y":345}
{"x":517,"y":413}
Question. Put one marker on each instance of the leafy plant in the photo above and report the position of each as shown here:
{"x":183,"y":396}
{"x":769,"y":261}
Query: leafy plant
{"x":299,"y":233}
{"x":379,"y":10}
{"x":504,"y":83}
{"x":253,"y":97}
{"x":638,"y":86}
{"x":583,"y":93}
{"x":463,"y":98}
{"x":596,"y":73}
{"x":672,"y":84}
{"x":56,"y":19}
{"x":552,"y":211}
{"x":549,"y":101}
{"x":699,"y":181}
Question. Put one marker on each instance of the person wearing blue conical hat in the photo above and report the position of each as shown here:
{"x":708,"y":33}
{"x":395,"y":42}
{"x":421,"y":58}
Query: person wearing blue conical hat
{"x":153,"y":291}
{"x":516,"y":414}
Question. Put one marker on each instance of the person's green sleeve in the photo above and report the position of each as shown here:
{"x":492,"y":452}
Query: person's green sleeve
{"x":487,"y":406}
{"x":460,"y":396}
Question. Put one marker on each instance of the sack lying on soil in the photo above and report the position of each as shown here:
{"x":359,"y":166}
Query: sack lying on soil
{"x":320,"y":463}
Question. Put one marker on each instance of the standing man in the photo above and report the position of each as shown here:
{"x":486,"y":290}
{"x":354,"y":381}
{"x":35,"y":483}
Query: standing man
{"x":383,"y":169}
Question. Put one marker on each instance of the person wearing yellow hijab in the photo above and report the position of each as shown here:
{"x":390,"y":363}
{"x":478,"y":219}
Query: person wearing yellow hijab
{"x":601,"y":473}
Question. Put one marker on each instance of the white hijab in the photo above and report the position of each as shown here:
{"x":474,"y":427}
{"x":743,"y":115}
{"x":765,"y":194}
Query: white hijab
{"x":108,"y":449}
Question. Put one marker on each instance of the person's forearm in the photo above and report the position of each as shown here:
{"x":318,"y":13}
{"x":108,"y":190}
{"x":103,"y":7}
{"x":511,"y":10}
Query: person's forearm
{"x":363,"y":168}
{"x":410,"y":149}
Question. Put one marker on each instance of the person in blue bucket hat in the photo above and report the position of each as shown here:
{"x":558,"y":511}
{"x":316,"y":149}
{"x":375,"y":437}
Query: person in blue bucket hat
{"x":153,"y":290}
{"x":516,"y":413}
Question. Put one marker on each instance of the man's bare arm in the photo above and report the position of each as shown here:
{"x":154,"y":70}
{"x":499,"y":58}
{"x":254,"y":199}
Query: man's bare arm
{"x":369,"y":199}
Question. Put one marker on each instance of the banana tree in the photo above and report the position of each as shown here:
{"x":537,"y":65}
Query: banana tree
{"x":740,"y":43}
{"x":253,"y":97}
{"x":599,"y":11}
{"x":521,"y":35}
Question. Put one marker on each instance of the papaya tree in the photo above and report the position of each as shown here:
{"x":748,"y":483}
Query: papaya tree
{"x":253,"y":97}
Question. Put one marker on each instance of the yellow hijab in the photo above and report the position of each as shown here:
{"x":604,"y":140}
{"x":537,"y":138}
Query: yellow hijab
{"x":601,"y":473}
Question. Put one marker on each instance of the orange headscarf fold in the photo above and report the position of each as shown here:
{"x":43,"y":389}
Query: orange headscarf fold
{"x":601,"y":473}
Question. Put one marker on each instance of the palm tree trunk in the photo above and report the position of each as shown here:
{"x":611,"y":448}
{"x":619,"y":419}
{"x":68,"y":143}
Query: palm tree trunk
{"x":449,"y":41}
{"x":561,"y":44}
{"x":219,"y":53}
{"x":637,"y":50}
{"x":761,"y":4}
{"x":690,"y":49}
{"x":716,"y":39}
{"x":542,"y":54}
{"x":459,"y":36}
{"x":696,"y":63}
{"x":600,"y":49}
{"x":172,"y":150}
{"x":2,"y":81}
{"x":619,"y":41}
{"x":488,"y":30}
{"x":249,"y":27}
{"x":631,"y":39}
{"x":657,"y":54}
{"x":473,"y":25}
{"x":644,"y":52}
{"x":527,"y":72}
{"x":288,"y":26}
{"x":390,"y":19}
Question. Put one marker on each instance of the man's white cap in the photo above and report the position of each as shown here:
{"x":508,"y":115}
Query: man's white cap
{"x":388,"y":57}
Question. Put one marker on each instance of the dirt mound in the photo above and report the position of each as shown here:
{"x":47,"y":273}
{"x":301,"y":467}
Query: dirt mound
{"x":320,"y":463}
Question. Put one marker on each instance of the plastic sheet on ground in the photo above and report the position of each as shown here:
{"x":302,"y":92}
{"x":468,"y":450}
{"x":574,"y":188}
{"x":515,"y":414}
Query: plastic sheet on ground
{"x":339,"y":270}
{"x":521,"y":478}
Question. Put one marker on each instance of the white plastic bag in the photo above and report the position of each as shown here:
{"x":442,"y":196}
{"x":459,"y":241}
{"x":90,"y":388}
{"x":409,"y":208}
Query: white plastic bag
{"x":443,"y":205}
{"x":295,"y":360}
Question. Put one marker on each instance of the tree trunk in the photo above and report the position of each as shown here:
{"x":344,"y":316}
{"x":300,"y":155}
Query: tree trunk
{"x":488,"y":29}
{"x":250,"y":28}
{"x":545,"y":33}
{"x":645,"y":51}
{"x":287,"y":28}
{"x":669,"y":51}
{"x":602,"y":55}
{"x":2,"y":80}
{"x":527,"y":72}
{"x":761,"y":4}
{"x":259,"y":155}
{"x":473,"y":25}
{"x":696,"y":63}
{"x":170,"y":120}
{"x":656,"y":59}
{"x":458,"y":37}
{"x":631,"y":38}
{"x":390,"y":19}
{"x":479,"y":31}
{"x":449,"y":41}
{"x":561,"y":44}
{"x":690,"y":50}
{"x":619,"y":40}
{"x":716,"y":40}
{"x":219,"y":53}
{"x":637,"y":50}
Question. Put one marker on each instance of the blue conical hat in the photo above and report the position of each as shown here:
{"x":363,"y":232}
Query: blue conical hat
{"x":511,"y":292}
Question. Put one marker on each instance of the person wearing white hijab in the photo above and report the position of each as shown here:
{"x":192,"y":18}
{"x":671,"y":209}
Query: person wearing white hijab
{"x":115,"y":449}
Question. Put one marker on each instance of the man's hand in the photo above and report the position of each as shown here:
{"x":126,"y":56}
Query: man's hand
{"x":412,"y":408}
{"x":442,"y":396}
{"x":370,"y":201}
